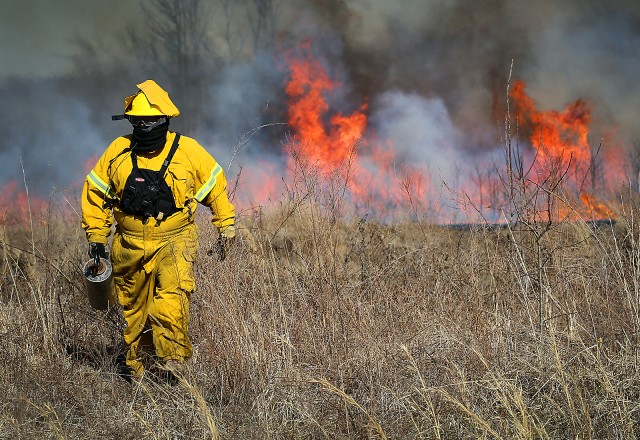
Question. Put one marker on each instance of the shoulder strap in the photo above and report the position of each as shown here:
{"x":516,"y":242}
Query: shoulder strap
{"x":134,"y":160}
{"x":167,"y":161}
{"x":134,"y":157}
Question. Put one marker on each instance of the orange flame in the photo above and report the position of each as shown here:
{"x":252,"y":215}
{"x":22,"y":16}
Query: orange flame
{"x":306,"y":89}
{"x":562,"y":147}
{"x":329,"y":141}
{"x":16,"y":209}
{"x":560,"y":138}
{"x":595,"y":208}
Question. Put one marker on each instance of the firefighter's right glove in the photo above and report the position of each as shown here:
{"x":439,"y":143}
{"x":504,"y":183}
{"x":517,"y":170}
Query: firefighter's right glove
{"x":97,"y":250}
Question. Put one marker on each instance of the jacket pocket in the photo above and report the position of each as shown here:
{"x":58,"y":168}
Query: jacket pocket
{"x":176,"y":178}
{"x":190,"y":244}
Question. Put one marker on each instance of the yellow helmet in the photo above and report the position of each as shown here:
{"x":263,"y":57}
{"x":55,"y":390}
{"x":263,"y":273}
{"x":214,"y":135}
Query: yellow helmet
{"x":151,"y":100}
{"x":140,"y":106}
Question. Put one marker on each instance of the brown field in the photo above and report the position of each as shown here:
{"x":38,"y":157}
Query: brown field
{"x":325,"y":327}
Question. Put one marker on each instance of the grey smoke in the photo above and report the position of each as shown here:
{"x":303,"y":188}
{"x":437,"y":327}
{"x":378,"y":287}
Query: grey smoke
{"x":420,"y":130}
{"x":433,"y":72}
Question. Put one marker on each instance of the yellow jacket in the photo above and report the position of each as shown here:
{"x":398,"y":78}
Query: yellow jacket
{"x":193,"y":176}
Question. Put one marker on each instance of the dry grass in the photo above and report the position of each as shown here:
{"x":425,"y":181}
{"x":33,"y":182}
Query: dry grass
{"x":319,"y":326}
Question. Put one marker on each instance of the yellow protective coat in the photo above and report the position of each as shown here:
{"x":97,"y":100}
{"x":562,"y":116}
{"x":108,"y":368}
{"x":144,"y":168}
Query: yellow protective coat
{"x":153,"y":262}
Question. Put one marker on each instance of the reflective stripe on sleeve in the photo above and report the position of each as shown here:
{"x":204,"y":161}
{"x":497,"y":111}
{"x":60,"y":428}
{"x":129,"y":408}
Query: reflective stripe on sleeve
{"x":210,"y":183}
{"x":100,"y":184}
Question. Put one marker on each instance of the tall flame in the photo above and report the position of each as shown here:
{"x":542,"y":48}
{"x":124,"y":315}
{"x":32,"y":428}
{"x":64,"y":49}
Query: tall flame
{"x":328,"y":140}
{"x":307,"y":87}
{"x":559,"y":137}
{"x":560,"y":140}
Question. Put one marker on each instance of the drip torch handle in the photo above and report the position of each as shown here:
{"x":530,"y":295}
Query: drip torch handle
{"x":96,"y":265}
{"x":96,"y":251}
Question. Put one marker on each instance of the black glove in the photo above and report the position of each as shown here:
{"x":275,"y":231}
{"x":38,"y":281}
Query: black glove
{"x":223,"y":247}
{"x":220,"y":248}
{"x":225,"y":240}
{"x":97,"y":250}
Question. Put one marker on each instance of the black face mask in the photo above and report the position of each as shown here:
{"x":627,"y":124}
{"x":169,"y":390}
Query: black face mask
{"x":146,"y":140}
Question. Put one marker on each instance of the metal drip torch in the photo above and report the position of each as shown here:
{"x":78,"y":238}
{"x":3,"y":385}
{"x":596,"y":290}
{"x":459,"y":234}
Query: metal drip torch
{"x":99,"y":281}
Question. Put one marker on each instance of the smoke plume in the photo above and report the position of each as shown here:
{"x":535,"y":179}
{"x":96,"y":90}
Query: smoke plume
{"x":433,"y":73}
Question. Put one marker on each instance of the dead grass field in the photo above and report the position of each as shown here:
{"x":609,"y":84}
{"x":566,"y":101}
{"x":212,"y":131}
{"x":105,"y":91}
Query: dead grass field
{"x":325,"y":327}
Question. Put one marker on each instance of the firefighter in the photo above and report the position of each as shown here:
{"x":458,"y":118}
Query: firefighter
{"x":150,"y":182}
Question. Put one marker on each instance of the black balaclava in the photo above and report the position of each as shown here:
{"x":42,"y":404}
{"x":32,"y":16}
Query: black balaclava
{"x":145,"y":140}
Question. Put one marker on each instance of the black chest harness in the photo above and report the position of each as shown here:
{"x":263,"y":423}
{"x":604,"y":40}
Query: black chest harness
{"x":146,"y":193}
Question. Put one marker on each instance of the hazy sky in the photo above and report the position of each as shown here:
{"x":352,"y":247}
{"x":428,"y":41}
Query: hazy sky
{"x":36,"y":36}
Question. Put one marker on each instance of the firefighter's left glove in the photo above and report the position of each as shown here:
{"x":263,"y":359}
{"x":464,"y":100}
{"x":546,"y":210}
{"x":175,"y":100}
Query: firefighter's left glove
{"x":97,"y":250}
{"x":225,"y":240}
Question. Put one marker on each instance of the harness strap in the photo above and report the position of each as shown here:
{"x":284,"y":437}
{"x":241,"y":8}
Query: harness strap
{"x":167,"y":161}
{"x":134,"y":160}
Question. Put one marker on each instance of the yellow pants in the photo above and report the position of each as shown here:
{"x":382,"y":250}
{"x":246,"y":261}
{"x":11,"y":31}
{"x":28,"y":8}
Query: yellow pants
{"x":153,"y":277}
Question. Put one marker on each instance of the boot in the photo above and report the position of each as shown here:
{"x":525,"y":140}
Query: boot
{"x":171,"y":371}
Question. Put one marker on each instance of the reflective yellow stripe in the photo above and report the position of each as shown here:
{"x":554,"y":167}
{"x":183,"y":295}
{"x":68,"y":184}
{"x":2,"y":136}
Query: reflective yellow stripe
{"x":99,"y":183}
{"x":210,"y":183}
